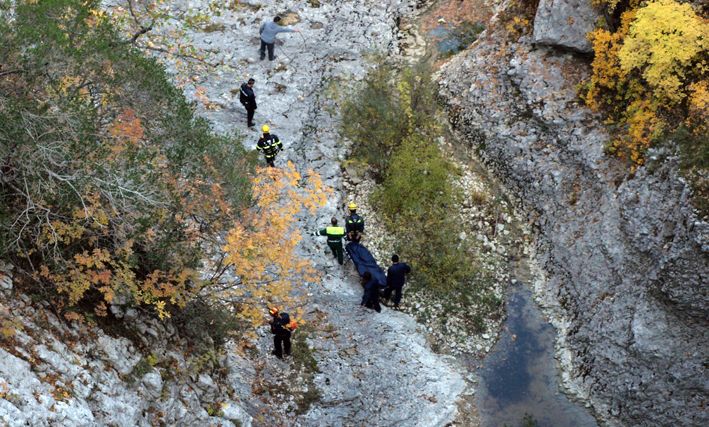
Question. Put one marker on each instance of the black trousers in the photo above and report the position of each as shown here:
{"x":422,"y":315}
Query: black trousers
{"x":336,"y":249}
{"x":270,"y":161}
{"x":374,"y":304}
{"x":270,"y":47}
{"x":397,"y":294}
{"x":281,"y":345}
{"x":250,"y":115}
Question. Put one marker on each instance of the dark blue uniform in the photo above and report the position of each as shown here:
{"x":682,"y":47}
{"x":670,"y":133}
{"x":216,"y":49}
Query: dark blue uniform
{"x":247,"y":97}
{"x":354,"y":226}
{"x":270,"y":145}
{"x":396,"y":277}
{"x":370,"y":298}
{"x":281,"y":336}
{"x":354,"y":222}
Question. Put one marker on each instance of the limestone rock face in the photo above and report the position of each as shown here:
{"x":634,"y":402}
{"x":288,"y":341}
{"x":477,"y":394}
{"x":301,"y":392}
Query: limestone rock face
{"x":625,"y":258}
{"x":565,"y":23}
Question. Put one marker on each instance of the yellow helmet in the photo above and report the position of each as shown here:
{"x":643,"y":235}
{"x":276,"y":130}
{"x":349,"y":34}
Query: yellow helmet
{"x":265,"y":128}
{"x":352,"y":206}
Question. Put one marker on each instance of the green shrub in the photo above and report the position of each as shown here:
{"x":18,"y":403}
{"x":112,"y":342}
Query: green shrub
{"x":410,"y":163}
{"x":693,"y":148}
{"x":206,"y":326}
{"x":387,"y":108}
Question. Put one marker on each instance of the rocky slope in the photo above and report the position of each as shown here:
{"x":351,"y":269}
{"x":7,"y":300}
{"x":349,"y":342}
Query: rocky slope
{"x":56,"y":374}
{"x":373,"y":369}
{"x":625,"y":258}
{"x":357,"y":367}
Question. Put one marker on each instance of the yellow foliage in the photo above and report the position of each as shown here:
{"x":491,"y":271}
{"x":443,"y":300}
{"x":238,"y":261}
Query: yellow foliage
{"x":9,"y":324}
{"x":127,"y":130}
{"x":664,"y":42}
{"x":518,"y":26}
{"x":7,"y":329}
{"x":608,"y":78}
{"x":262,"y":246}
{"x":643,"y":127}
{"x":649,"y":72}
{"x":610,"y":5}
{"x":698,"y":105}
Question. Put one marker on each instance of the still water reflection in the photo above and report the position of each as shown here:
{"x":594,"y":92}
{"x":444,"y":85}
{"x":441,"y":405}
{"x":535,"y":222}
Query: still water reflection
{"x":520,"y":375}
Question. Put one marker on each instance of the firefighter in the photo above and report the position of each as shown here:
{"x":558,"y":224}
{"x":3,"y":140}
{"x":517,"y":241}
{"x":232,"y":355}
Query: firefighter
{"x":269,"y":144}
{"x":247,"y":97}
{"x":281,"y":328}
{"x":396,"y":277}
{"x":334,"y":239}
{"x":354,"y":224}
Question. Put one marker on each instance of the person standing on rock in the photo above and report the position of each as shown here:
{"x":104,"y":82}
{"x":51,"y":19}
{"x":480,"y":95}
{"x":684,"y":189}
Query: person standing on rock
{"x":334,"y":239}
{"x":268,"y":32}
{"x":247,"y":97}
{"x":269,"y":144}
{"x":354,"y":224}
{"x":396,"y":277}
{"x":281,"y":332}
{"x":370,"y":297}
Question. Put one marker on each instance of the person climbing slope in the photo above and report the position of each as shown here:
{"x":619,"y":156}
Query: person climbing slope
{"x":281,"y":328}
{"x":354,"y":224}
{"x":268,"y":32}
{"x":334,"y":239}
{"x":269,"y":144}
{"x":247,"y":97}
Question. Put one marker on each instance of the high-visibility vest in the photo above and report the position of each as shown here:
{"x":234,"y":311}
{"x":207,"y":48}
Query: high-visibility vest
{"x":334,"y":234}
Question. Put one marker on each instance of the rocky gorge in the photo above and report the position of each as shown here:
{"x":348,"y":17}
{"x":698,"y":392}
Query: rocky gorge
{"x":617,"y":263}
{"x":625,"y":258}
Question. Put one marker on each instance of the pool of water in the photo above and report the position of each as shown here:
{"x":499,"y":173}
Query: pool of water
{"x":447,"y":41}
{"x":519,"y":378}
{"x":450,"y":39}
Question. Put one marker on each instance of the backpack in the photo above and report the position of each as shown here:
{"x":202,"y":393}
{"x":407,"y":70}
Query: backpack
{"x":285,"y":319}
{"x":287,"y":323}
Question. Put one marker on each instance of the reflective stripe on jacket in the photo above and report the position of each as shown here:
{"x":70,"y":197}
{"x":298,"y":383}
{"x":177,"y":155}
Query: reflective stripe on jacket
{"x":354,"y":222}
{"x":270,"y":145}
{"x":247,"y":95}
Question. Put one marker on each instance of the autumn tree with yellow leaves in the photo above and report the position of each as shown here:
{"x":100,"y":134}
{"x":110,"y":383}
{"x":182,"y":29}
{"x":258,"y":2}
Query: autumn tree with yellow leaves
{"x":262,"y":246}
{"x":650,"y":74}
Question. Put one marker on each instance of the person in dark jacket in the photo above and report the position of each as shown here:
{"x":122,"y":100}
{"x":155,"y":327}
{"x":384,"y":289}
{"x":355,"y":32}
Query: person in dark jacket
{"x":247,"y":97}
{"x":269,"y":144}
{"x":354,"y":224}
{"x":370,"y":297}
{"x":281,"y":333}
{"x":396,"y":277}
{"x":334,"y":239}
{"x":268,"y":32}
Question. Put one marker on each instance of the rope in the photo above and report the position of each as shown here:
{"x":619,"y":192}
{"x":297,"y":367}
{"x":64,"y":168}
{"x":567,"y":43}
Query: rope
{"x":283,"y":51}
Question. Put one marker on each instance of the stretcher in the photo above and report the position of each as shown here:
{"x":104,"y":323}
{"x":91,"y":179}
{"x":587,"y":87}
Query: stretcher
{"x":364,"y":261}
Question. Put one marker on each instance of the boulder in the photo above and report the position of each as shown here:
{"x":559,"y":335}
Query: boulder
{"x":565,"y":23}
